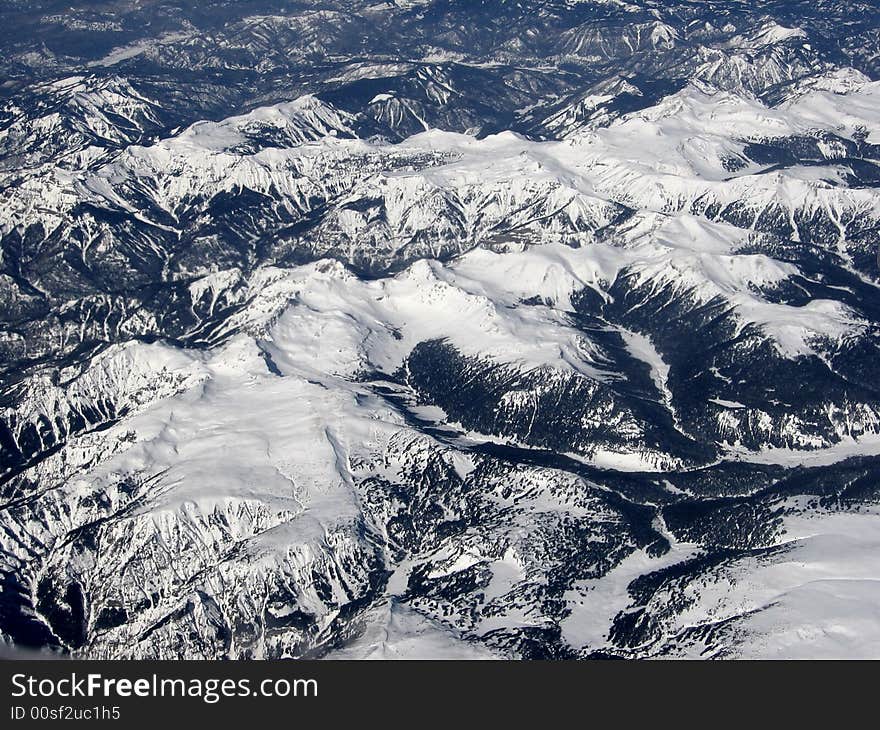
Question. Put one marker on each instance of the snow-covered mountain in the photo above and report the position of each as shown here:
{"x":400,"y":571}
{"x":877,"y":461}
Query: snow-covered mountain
{"x":440,"y":329}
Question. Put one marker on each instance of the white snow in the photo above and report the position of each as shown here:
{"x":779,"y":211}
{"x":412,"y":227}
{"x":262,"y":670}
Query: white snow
{"x":822,"y":599}
{"x":641,"y":348}
{"x":818,"y":599}
{"x":593,"y":604}
{"x":395,"y":631}
{"x":865,"y":445}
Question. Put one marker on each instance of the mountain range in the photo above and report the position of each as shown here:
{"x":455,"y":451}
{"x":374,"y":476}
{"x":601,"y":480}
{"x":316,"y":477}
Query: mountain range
{"x":440,"y":329}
